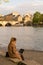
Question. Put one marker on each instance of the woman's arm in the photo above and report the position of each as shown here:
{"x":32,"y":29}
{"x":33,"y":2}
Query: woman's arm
{"x":16,"y":53}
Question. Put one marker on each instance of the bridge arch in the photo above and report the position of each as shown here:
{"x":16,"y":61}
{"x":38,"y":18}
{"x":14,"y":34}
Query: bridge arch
{"x":1,"y":24}
{"x":8,"y":24}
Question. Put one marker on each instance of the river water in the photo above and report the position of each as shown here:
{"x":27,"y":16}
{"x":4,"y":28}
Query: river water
{"x":30,"y":38}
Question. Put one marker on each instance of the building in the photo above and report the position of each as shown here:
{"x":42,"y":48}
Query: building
{"x":8,"y":17}
{"x":1,"y":17}
{"x":15,"y":14}
{"x":27,"y":19}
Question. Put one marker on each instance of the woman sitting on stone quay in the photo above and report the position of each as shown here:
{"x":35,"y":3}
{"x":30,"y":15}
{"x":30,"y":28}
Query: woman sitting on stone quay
{"x":13,"y":53}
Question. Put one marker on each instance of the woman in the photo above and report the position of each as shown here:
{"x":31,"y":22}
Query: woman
{"x":12,"y":51}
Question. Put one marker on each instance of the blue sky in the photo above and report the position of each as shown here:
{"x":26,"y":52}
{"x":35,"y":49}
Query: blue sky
{"x":21,"y":6}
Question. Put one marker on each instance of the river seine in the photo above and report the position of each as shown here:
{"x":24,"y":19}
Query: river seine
{"x":30,"y":38}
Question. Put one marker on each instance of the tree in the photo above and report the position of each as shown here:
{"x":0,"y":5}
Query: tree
{"x":36,"y":17}
{"x":41,"y":18}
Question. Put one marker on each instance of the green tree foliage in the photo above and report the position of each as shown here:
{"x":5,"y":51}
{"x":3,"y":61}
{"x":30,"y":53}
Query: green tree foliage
{"x":36,"y":17}
{"x":41,"y":18}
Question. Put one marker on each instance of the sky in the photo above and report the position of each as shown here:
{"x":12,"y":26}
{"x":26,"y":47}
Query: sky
{"x":21,"y":6}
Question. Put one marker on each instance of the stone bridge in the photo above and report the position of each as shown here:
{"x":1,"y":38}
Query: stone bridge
{"x":4,"y":23}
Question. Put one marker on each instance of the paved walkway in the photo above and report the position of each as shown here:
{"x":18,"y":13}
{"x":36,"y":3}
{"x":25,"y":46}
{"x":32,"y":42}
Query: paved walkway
{"x":31,"y":58}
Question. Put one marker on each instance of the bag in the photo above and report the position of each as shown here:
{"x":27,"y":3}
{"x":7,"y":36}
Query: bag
{"x":21,"y":53}
{"x":7,"y":55}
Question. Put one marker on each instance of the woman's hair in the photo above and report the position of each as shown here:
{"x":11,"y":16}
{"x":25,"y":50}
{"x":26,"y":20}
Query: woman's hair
{"x":12,"y":39}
